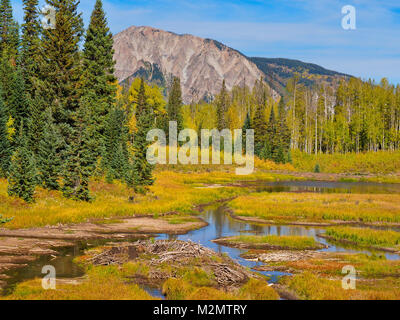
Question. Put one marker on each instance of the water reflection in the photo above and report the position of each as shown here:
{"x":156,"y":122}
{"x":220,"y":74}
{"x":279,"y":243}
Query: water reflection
{"x":222,"y":225}
{"x":326,"y":187}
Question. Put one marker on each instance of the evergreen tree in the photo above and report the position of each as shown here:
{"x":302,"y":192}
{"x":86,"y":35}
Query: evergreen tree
{"x":60,"y":71}
{"x":18,"y":104}
{"x":98,"y":77}
{"x":22,"y":170}
{"x":9,"y":30}
{"x":48,"y":157}
{"x":222,"y":108}
{"x":5,"y":148}
{"x":80,"y":161}
{"x":247,"y":126}
{"x":175,"y":104}
{"x":141,"y":173}
{"x":116,"y":159}
{"x":260,"y":128}
{"x":30,"y":44}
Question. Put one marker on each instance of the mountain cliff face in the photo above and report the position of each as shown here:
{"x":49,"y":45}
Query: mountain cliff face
{"x":201,"y":64}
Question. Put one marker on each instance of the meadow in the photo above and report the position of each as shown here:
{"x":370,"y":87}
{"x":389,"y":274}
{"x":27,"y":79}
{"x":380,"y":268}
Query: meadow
{"x":324,"y":208}
{"x":366,"y":236}
{"x":364,"y":163}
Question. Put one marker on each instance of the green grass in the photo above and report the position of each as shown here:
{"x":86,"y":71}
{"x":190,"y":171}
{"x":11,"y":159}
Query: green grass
{"x":367,"y":237}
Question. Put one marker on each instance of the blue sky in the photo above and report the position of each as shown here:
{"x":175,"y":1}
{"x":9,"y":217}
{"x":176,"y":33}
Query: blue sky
{"x":308,"y":30}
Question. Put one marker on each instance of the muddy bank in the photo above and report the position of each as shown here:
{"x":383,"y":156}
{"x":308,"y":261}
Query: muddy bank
{"x":230,"y":242}
{"x":20,"y":247}
{"x":332,"y":223}
{"x":281,"y":255}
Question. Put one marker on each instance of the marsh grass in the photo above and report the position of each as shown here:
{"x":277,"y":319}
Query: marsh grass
{"x":287,"y":207}
{"x":381,"y":162}
{"x":309,"y":286}
{"x":102,"y":283}
{"x":366,"y":236}
{"x":171,"y":193}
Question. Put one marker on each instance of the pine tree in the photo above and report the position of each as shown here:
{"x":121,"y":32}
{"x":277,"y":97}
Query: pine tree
{"x":260,"y":128}
{"x":80,"y":162}
{"x":48,"y":157}
{"x":116,"y":159}
{"x":247,"y":126}
{"x":5,"y":147}
{"x":18,"y":104}
{"x":9,"y":30}
{"x":222,"y":108}
{"x":141,"y":173}
{"x":22,"y":171}
{"x":60,"y":71}
{"x":30,"y":44}
{"x":98,"y":78}
{"x":175,"y":104}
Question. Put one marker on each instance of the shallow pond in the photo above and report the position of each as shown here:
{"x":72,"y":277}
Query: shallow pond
{"x":325,"y":187}
{"x":221,"y":225}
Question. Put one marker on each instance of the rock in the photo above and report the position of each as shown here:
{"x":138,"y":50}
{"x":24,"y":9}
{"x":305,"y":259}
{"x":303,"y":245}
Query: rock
{"x":201,"y":64}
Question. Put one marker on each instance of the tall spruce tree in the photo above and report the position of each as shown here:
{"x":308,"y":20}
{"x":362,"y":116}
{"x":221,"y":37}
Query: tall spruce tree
{"x":175,"y":103}
{"x":246,"y":126}
{"x":222,"y":107}
{"x":269,"y":143}
{"x":98,"y":79}
{"x":141,"y":173}
{"x":18,"y":103}
{"x":61,"y":70}
{"x":9,"y":30}
{"x":48,"y":155}
{"x":260,"y":128}
{"x":80,"y":160}
{"x":30,"y":44}
{"x":116,"y":158}
{"x":22,"y":170}
{"x":5,"y":147}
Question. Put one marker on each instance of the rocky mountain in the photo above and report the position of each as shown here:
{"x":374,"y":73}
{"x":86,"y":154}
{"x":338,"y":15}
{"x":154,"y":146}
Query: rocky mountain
{"x":201,"y":64}
{"x":278,"y":71}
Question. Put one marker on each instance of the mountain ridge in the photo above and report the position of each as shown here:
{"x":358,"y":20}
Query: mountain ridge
{"x":202,"y":64}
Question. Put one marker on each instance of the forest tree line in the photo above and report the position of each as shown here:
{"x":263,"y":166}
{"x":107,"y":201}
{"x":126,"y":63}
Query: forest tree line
{"x":64,"y":118}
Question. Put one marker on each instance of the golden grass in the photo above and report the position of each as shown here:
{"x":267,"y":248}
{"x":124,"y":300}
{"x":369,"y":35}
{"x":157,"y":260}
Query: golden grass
{"x":171,"y":192}
{"x":286,"y":207}
{"x":365,"y":236}
{"x":309,"y":286}
{"x":382,"y":162}
{"x":103,"y":283}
